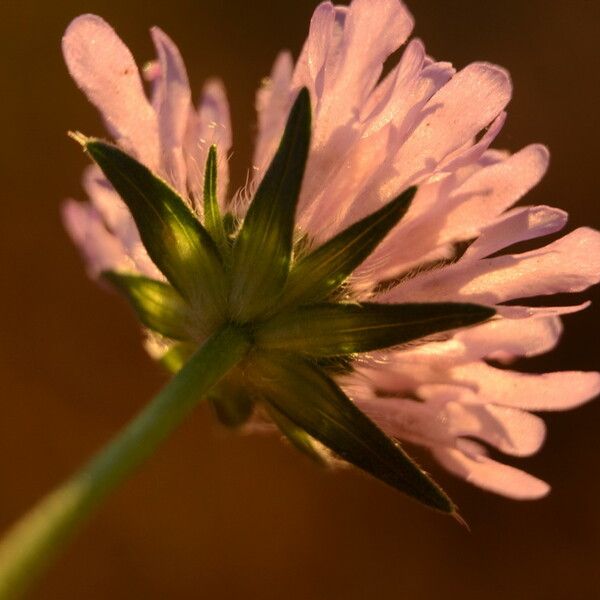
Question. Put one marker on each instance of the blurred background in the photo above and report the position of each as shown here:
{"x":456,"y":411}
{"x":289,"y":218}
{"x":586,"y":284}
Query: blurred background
{"x":219,"y":516}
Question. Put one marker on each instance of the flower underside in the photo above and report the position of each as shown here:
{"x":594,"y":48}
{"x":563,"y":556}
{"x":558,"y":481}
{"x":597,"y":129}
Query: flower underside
{"x":288,"y":298}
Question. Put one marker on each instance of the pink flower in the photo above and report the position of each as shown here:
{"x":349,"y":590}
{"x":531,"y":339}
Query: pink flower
{"x":424,"y":124}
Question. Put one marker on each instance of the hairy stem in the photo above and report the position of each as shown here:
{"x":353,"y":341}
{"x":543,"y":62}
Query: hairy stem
{"x":30,"y":544}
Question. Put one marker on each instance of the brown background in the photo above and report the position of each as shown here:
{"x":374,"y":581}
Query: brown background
{"x":218,"y":516}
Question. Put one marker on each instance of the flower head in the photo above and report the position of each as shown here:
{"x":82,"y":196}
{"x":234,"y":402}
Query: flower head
{"x":374,"y":219}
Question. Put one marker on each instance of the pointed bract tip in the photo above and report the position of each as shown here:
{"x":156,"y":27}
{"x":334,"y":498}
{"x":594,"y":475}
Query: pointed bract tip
{"x":457,"y":517}
{"x":410,"y":192}
{"x":304,"y":98}
{"x":406,"y":197}
{"x":79,"y":137}
{"x":487,"y":311}
{"x":304,"y":93}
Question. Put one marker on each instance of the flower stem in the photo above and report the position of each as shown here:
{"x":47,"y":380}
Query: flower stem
{"x":36,"y":538}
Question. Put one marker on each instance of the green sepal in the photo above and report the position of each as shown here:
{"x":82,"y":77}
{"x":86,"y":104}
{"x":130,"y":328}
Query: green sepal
{"x":321,"y":330}
{"x":314,"y":277}
{"x":176,"y":356}
{"x":212,"y":215}
{"x":157,"y":304}
{"x":263,"y":248}
{"x":312,"y":401}
{"x":231,"y":401}
{"x":297,"y":437}
{"x":173,"y":237}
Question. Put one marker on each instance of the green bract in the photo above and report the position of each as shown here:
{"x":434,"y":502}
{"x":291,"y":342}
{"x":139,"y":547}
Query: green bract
{"x":288,"y":308}
{"x":174,"y":238}
{"x":263,"y":248}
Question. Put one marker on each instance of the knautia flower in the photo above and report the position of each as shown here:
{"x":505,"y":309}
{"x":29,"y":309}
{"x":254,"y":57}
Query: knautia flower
{"x":366,"y":261}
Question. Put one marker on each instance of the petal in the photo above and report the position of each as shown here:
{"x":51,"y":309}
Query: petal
{"x":473,"y":152}
{"x":414,"y":241}
{"x":102,"y":250}
{"x":496,"y":339}
{"x":570,"y":264}
{"x":104,"y":69}
{"x":490,"y":191}
{"x":561,"y":390}
{"x":408,"y":420}
{"x":386,"y":101}
{"x":372,"y":31}
{"x":117,"y":218}
{"x":171,"y":100}
{"x":524,"y":312}
{"x":491,"y":475}
{"x":273,"y":101}
{"x":104,"y":198}
{"x":211,"y":124}
{"x":470,"y":101}
{"x":353,"y":164}
{"x":512,"y":431}
{"x":507,"y":337}
{"x":515,"y":226}
{"x":318,"y":43}
{"x":320,"y":57}
{"x":425,"y":150}
{"x":397,"y":378}
{"x":442,"y":214}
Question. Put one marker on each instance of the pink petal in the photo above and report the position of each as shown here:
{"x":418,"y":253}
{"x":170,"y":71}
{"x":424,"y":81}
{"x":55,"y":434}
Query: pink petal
{"x":172,"y":104}
{"x":318,"y":43}
{"x":104,"y":69}
{"x":470,"y":101}
{"x":414,"y":241}
{"x":115,"y":216}
{"x":273,"y":101}
{"x":372,"y":31}
{"x":407,"y":420}
{"x":441,"y":215}
{"x":353,"y":172}
{"x":438,"y":73}
{"x":104,"y":197}
{"x":502,"y":338}
{"x":210,"y":125}
{"x":491,"y":475}
{"x":512,"y":431}
{"x":473,"y":152}
{"x":515,"y":226}
{"x":320,"y":56}
{"x":546,"y":392}
{"x":437,"y":354}
{"x":570,"y":264}
{"x":109,"y":205}
{"x":102,"y":250}
{"x":524,"y":312}
{"x":360,"y":39}
{"x":490,"y":191}
{"x":429,"y":238}
{"x":387,"y":100}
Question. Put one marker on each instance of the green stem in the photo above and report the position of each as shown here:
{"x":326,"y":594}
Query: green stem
{"x":36,"y":538}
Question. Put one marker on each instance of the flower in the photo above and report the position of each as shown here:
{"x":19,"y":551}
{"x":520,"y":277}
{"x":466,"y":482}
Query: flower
{"x":373,"y":139}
